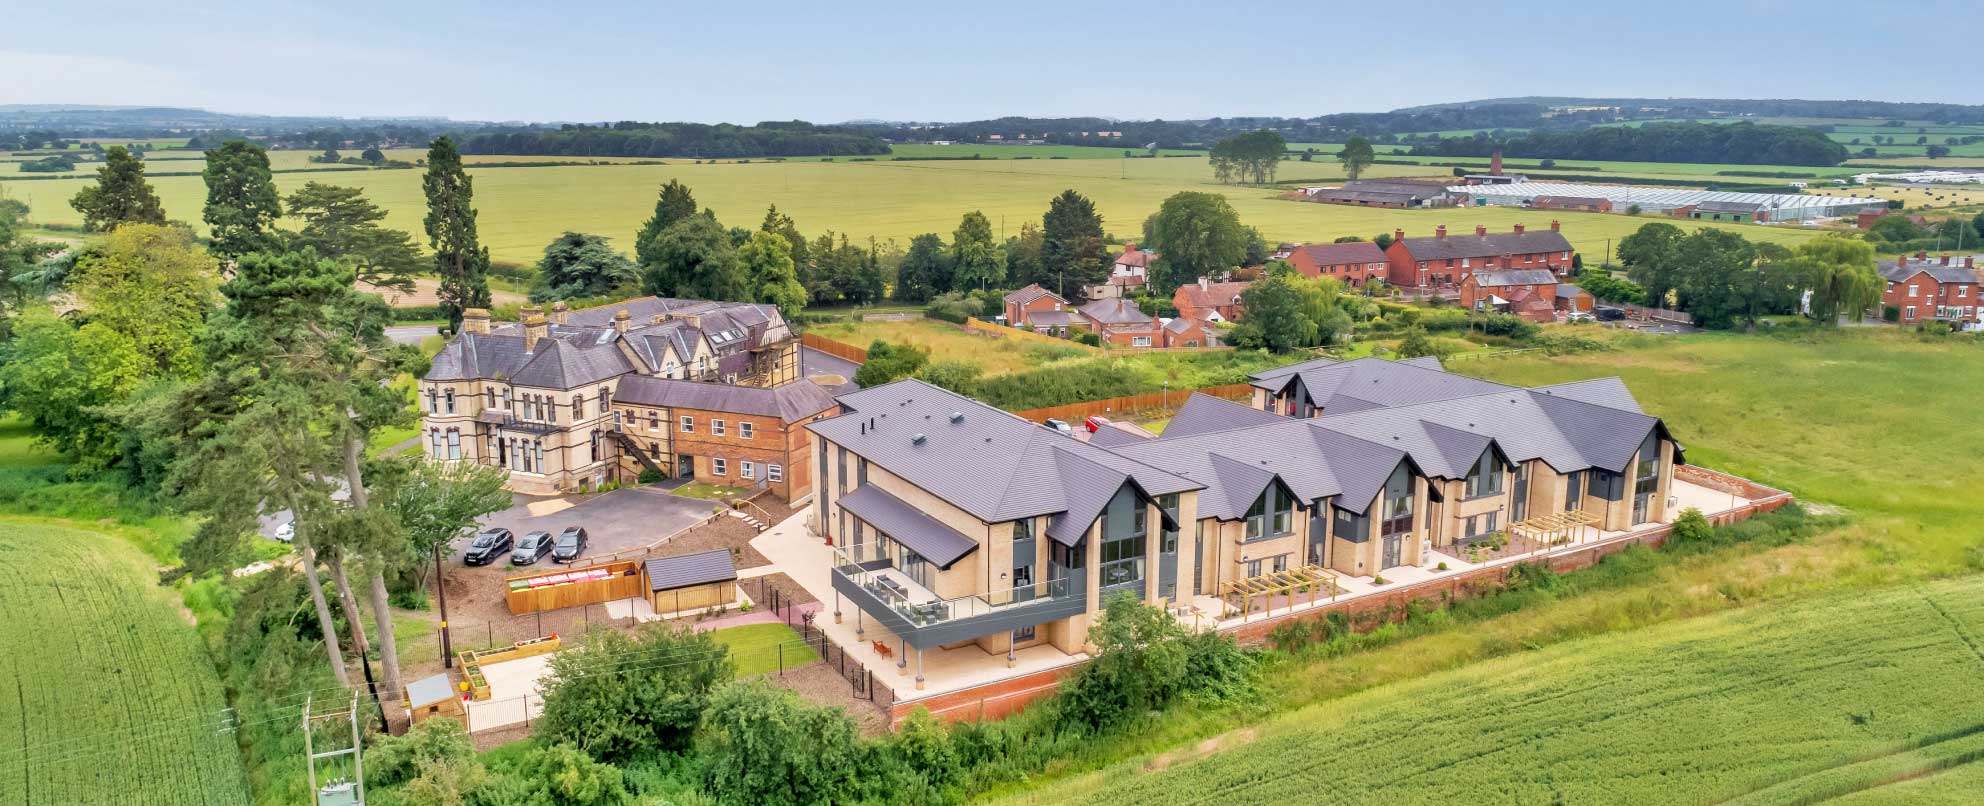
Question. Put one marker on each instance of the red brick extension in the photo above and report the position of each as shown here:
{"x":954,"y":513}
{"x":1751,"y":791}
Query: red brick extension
{"x":1003,"y":698}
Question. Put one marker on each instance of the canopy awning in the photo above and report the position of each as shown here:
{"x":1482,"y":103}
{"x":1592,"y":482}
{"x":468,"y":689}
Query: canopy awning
{"x":908,"y":525}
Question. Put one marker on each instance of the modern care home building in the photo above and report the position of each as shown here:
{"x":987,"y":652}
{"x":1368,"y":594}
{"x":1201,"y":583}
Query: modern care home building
{"x":956,"y":525}
{"x":535,"y":397}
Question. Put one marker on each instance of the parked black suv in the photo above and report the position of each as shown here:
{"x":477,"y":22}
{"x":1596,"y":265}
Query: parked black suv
{"x":570,"y":543}
{"x":531,"y":549}
{"x":1608,"y":313}
{"x":489,"y":544}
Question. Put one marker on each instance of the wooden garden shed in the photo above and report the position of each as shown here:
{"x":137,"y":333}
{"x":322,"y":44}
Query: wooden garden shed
{"x":691,"y":581}
{"x":435,"y":696}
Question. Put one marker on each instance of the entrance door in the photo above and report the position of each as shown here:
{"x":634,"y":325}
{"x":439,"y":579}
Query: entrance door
{"x":1167,"y":564}
{"x":1519,"y":510}
{"x":1392,"y":545}
{"x":1318,"y":538}
{"x":685,"y":466}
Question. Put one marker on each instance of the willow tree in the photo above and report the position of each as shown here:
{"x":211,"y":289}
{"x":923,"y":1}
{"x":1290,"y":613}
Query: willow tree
{"x":1840,"y":274}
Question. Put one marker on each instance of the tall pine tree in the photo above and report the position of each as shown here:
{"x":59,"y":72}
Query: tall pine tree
{"x":1072,"y":254}
{"x":242,"y":205}
{"x":459,"y":256}
{"x":120,"y":196}
{"x":675,"y":206}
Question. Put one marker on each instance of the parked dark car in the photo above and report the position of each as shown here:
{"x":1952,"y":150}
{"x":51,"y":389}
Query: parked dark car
{"x":1607,"y":313}
{"x":571,"y":543}
{"x":531,"y":549}
{"x":488,"y":545}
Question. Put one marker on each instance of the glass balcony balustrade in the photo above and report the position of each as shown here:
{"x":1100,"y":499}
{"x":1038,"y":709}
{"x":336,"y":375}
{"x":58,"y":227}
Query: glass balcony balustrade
{"x":923,"y":608}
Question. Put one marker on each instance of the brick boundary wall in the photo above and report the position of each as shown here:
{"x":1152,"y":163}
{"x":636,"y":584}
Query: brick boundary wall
{"x":1002,"y":698}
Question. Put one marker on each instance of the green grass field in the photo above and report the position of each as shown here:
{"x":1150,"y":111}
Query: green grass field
{"x":110,"y":697}
{"x":755,"y":648}
{"x":522,"y":209}
{"x":1789,"y":704}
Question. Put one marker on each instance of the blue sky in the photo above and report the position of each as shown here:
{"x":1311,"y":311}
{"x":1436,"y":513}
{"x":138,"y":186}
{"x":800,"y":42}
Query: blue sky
{"x":737,"y":62}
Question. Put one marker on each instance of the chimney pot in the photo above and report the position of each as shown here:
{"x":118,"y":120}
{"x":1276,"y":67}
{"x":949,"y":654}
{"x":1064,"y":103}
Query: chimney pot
{"x":1440,"y":231}
{"x":621,"y":320}
{"x":475,"y":320}
{"x":1946,"y":260}
{"x":1554,"y":226}
{"x":560,"y":312}
{"x":1519,"y":229}
{"x":1398,"y":235}
{"x":1482,"y":229}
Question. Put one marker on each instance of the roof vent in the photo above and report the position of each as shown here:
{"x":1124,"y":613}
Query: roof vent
{"x":957,"y":417}
{"x":917,"y":439}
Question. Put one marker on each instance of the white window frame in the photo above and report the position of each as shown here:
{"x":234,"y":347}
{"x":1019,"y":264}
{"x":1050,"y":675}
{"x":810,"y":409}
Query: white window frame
{"x":745,"y":430}
{"x":716,"y":428}
{"x":1139,"y":341}
{"x":747,"y":470}
{"x":688,"y":424}
{"x":774,"y":472}
{"x":718,"y":467}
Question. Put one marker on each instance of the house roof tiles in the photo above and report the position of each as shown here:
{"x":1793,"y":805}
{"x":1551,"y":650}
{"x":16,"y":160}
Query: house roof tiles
{"x":1494,"y":244}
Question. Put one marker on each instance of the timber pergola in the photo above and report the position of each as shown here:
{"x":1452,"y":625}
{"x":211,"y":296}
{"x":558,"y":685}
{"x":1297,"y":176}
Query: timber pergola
{"x":1544,"y":531}
{"x":1268,"y":586}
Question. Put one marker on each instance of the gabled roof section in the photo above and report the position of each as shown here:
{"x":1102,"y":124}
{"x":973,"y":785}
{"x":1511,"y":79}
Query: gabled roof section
{"x":1494,"y":244}
{"x":1312,"y":462}
{"x":1509,"y":277}
{"x":1608,"y":392}
{"x":1116,"y":311}
{"x":987,"y":462}
{"x":1566,"y":433}
{"x":1204,"y":413}
{"x":1378,"y":381}
{"x":1031,"y":293}
{"x":1337,"y":254}
{"x":561,"y":365}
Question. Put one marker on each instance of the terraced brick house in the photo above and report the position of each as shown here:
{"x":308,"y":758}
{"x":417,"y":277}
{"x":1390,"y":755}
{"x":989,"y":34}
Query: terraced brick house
{"x":957,"y":526}
{"x":1443,"y":261}
{"x":1353,"y":263}
{"x":535,"y":396}
{"x":1528,"y":293}
{"x":1922,"y":288}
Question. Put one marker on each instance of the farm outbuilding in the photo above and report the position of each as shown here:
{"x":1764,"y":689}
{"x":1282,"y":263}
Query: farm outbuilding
{"x":692,"y":581}
{"x":1673,"y":201}
{"x":434,"y":696}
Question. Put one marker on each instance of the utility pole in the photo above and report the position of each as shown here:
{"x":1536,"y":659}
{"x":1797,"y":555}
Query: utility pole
{"x":441,"y":594}
{"x":341,"y":791}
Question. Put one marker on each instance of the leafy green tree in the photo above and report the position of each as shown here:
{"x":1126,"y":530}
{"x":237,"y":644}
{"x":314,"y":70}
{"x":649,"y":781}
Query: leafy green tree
{"x":459,"y":256}
{"x":561,"y":774}
{"x":373,"y":155}
{"x":120,"y":196}
{"x":890,"y":362}
{"x":1840,"y":273}
{"x":620,"y":696}
{"x":1417,"y":344}
{"x":153,"y":285}
{"x":341,"y":224}
{"x":1649,"y":255}
{"x":675,"y":205}
{"x":242,"y":205}
{"x":1894,"y":228}
{"x":1272,"y":318}
{"x":1322,"y":304}
{"x":576,"y":265}
{"x":1356,"y":156}
{"x":693,"y":259}
{"x":977,"y":262}
{"x":1195,"y":235}
{"x":19,"y":256}
{"x":1072,"y":252}
{"x":1146,"y":661}
{"x":763,"y":745}
{"x":1252,"y":156}
{"x":958,"y":375}
{"x":783,"y":224}
{"x":1023,"y":255}
{"x":925,"y":271}
{"x":63,"y":379}
{"x":767,"y":261}
{"x":396,"y":759}
{"x":436,"y":502}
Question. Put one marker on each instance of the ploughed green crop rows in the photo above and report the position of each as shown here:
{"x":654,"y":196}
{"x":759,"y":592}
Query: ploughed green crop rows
{"x":106,"y":695}
{"x":1788,"y":704}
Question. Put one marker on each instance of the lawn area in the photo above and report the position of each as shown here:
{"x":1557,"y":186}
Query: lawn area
{"x":1789,"y":704}
{"x":522,"y":209}
{"x":111,"y":698}
{"x":948,"y":341}
{"x":18,"y":448}
{"x":758,"y":648}
{"x":704,"y":489}
{"x":1814,"y":414}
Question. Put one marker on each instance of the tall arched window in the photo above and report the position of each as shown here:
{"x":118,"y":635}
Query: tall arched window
{"x":595,"y":445}
{"x":578,"y":407}
{"x":538,"y":445}
{"x":451,"y":401}
{"x":434,"y":442}
{"x":432,"y":407}
{"x":605,"y":398}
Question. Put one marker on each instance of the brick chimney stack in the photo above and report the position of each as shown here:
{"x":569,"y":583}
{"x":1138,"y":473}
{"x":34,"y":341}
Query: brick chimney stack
{"x":621,"y":319}
{"x":1946,"y":260}
{"x":1554,"y":226}
{"x":1519,"y":229}
{"x":536,"y":328}
{"x":1440,"y":231}
{"x":1398,"y":235}
{"x":476,"y":320}
{"x":561,"y":313}
{"x":1481,"y":229}
{"x":1495,"y":163}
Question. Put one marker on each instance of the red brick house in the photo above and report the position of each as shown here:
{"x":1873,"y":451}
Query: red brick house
{"x":1444,"y":261}
{"x":1182,"y":332}
{"x":1120,"y":322}
{"x":1021,"y":305}
{"x":1207,"y":301}
{"x":738,"y":436}
{"x":1922,"y":288}
{"x":1528,"y":293}
{"x":1129,"y":272}
{"x":1352,"y":263}
{"x":1572,"y":299}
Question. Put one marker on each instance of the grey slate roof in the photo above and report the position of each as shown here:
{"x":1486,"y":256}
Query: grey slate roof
{"x":1116,"y":311}
{"x":1568,"y":291}
{"x":1508,"y":277}
{"x":586,"y":349}
{"x":685,"y":570}
{"x":1030,"y":293}
{"x":556,"y":364}
{"x":1336,"y":254}
{"x":1608,"y":392}
{"x":908,"y":525}
{"x":1235,"y":465}
{"x":1119,"y":434}
{"x":1204,"y":413}
{"x":989,"y":463}
{"x":1898,"y":271}
{"x":790,"y":402}
{"x":1357,"y":383}
{"x":1469,"y":245}
{"x":1565,"y":432}
{"x":1053,"y":318}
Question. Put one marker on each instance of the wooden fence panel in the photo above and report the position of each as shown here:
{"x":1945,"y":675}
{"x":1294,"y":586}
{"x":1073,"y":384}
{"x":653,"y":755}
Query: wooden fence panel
{"x":622,"y":581}
{"x":833,"y":348}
